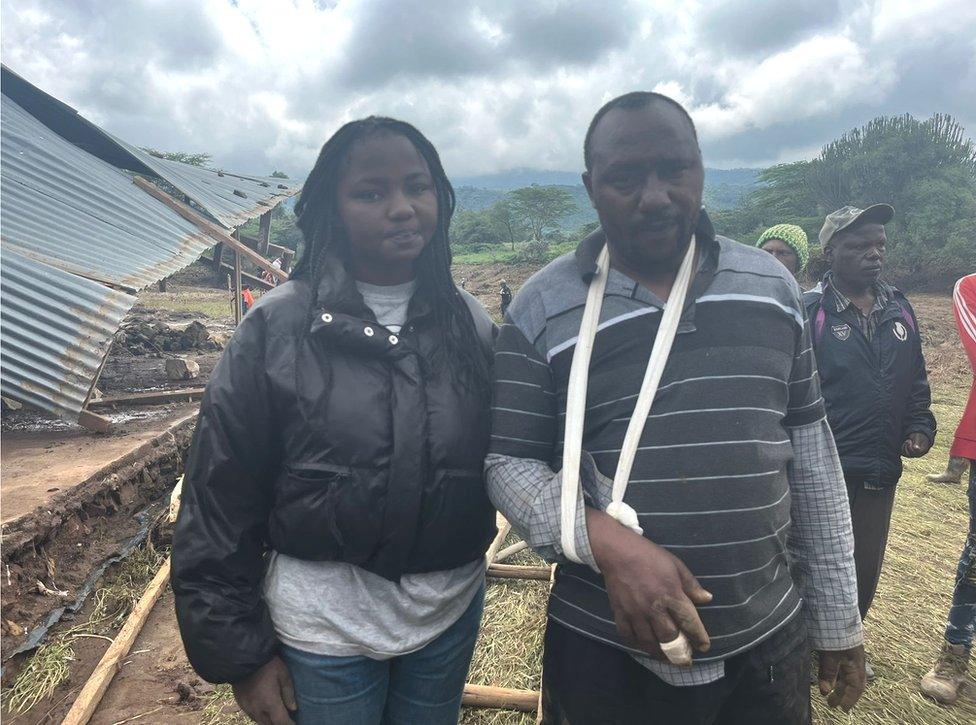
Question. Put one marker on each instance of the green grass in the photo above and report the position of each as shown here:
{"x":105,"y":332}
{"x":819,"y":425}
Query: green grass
{"x":213,"y":303}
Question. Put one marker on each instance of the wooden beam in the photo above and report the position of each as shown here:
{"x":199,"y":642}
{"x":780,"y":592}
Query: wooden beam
{"x":93,"y":691}
{"x":207,"y":226}
{"x":148,"y":397}
{"x":93,"y":422}
{"x":500,"y":697}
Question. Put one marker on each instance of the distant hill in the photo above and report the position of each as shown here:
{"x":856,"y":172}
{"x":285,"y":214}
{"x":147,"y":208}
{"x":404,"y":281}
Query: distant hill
{"x":724,"y":189}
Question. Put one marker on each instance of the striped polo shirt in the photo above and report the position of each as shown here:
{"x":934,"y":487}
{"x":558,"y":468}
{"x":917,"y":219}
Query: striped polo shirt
{"x":709,"y":482}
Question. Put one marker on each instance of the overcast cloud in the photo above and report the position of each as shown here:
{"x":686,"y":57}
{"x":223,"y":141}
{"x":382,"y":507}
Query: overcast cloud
{"x":495,"y":85}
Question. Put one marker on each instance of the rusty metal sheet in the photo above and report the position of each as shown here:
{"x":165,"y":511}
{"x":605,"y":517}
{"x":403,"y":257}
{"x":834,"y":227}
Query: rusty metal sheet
{"x":57,"y":329}
{"x":69,"y":209}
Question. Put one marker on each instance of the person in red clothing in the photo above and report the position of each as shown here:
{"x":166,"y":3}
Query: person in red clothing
{"x":247,"y":299}
{"x":943,"y":681}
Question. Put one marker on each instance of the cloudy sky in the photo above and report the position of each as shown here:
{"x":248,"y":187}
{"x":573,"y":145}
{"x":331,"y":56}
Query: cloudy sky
{"x":495,"y":84}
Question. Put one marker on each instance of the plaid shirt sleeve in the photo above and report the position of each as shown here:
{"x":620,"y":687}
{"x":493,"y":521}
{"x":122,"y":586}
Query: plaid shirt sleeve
{"x":521,"y":483}
{"x":821,"y":542}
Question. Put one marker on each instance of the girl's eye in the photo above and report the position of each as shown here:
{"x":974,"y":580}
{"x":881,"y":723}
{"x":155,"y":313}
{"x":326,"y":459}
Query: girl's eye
{"x":368,"y":195}
{"x":419,"y":188}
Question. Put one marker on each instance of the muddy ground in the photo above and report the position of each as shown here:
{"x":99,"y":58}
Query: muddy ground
{"x":155,"y":683}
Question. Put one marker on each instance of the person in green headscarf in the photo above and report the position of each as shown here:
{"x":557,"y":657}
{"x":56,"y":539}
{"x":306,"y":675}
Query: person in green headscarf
{"x":788,"y":243}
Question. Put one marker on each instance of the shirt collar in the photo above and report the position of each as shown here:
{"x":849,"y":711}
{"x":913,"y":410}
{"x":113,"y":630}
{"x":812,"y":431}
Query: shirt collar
{"x":881,"y":289}
{"x":589,"y":249}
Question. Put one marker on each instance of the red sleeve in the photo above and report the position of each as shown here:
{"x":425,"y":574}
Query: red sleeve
{"x":964,"y":307}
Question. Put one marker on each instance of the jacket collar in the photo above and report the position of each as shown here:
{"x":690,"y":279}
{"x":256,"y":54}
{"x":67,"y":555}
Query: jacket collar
{"x":337,"y":294}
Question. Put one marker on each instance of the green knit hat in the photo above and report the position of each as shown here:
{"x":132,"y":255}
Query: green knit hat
{"x":795,"y":238}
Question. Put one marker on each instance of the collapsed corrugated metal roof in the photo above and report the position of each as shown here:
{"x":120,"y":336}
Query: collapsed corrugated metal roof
{"x":57,"y":329}
{"x":71,"y":210}
{"x":72,"y":224}
{"x":230,"y":199}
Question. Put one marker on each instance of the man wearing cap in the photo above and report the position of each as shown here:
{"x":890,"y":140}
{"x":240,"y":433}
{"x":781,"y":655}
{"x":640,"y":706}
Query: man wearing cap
{"x":872,"y":373}
{"x":788,"y":243}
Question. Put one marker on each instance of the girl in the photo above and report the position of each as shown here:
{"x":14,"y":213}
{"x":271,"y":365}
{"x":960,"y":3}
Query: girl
{"x":344,"y":432}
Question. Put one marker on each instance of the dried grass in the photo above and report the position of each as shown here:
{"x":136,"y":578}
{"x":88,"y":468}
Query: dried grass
{"x":49,"y":666}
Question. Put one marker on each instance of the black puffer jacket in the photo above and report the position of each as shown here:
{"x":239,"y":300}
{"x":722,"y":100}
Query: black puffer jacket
{"x":876,"y":391}
{"x":327,"y":440}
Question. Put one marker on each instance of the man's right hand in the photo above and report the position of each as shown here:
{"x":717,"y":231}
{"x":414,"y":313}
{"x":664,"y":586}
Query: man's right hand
{"x":652,"y":593}
{"x":268,"y":695}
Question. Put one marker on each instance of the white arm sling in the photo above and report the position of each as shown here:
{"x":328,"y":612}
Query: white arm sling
{"x":678,"y":651}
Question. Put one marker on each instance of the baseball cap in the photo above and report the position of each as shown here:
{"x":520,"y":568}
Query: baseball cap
{"x":846,"y":216}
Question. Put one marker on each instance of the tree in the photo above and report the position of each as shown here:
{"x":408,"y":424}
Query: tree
{"x":925,"y":169}
{"x":504,"y":219}
{"x":279,"y":175}
{"x":182,"y":156}
{"x":474,"y":227}
{"x":540,"y":207}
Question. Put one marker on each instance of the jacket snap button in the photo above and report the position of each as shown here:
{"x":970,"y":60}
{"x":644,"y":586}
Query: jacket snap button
{"x":368,"y":332}
{"x":394,"y":339}
{"x":326,"y":317}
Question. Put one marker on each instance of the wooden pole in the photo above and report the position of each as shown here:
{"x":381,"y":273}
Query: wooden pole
{"x":218,"y":259}
{"x":264,"y":233}
{"x":510,"y":550}
{"x":500,"y":697}
{"x":238,"y":302}
{"x":93,"y":691}
{"x":207,"y":226}
{"x":503,"y":528}
{"x":504,"y":571}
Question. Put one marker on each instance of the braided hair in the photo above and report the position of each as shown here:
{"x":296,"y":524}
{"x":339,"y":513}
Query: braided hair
{"x":317,"y":211}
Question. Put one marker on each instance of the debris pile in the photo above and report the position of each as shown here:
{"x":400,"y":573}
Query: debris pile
{"x":140,"y":337}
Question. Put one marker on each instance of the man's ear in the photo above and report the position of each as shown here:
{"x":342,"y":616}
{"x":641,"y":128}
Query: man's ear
{"x":587,"y":182}
{"x":829,"y":253}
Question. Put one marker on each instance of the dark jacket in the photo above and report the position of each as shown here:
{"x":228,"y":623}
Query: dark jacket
{"x":324,"y":437}
{"x":876,"y":391}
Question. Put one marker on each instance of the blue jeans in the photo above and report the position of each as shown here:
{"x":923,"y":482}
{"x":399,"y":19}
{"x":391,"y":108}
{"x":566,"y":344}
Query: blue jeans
{"x":962,"y":615}
{"x":420,"y":688}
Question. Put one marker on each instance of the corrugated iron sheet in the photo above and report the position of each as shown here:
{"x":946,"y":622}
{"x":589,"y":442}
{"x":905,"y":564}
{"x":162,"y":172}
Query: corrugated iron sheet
{"x":57,"y":329}
{"x":63,"y":206}
{"x":232,"y":199}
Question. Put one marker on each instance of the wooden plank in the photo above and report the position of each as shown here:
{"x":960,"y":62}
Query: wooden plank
{"x":148,"y":397}
{"x":207,"y":226}
{"x":94,"y":422}
{"x":93,"y":691}
{"x":500,"y":697}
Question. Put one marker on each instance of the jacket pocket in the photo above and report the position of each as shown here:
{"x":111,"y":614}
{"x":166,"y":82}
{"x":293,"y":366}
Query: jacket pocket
{"x":457,"y":520}
{"x":323,"y":512}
